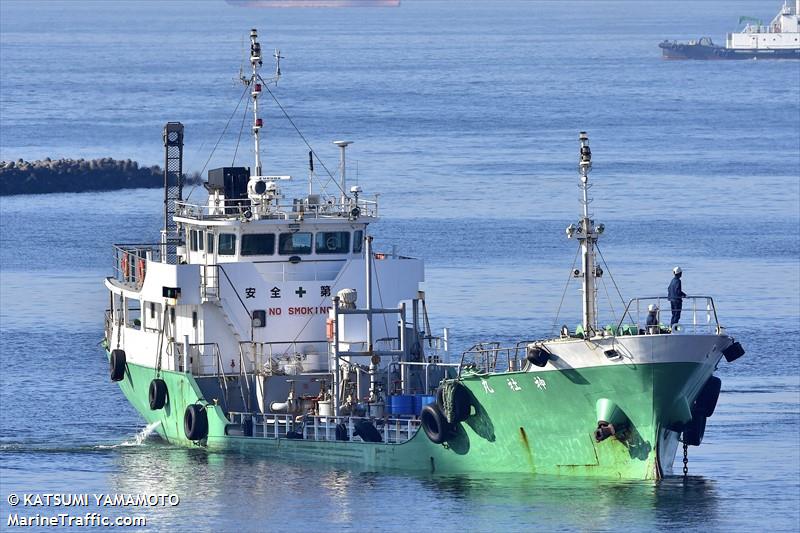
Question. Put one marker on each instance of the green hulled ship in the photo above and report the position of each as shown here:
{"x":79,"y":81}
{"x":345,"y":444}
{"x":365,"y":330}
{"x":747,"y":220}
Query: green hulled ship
{"x":273,"y":327}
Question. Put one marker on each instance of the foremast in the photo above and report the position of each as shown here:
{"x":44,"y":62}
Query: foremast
{"x":587,"y":234}
{"x":254,"y":82}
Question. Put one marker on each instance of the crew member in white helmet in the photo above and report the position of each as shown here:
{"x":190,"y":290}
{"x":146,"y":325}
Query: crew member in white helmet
{"x":675,"y":295}
{"x":652,"y":319}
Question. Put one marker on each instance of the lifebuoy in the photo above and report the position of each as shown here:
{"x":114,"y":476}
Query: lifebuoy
{"x":140,"y":272}
{"x":434,"y":424}
{"x":124,"y":265}
{"x":195,"y":422}
{"x":117,"y":365}
{"x":157,"y":395}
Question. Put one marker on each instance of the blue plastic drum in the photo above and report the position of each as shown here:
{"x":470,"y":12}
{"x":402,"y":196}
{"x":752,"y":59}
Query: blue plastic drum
{"x":402,"y":404}
{"x":421,"y":401}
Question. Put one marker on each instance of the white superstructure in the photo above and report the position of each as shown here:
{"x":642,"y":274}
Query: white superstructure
{"x":244,"y":284}
{"x":783,"y":33}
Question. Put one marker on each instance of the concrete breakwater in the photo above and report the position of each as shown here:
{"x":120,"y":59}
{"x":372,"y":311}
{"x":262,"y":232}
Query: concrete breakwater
{"x":79,"y":175}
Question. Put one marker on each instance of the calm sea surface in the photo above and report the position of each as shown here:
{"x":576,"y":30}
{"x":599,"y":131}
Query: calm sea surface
{"x":465,"y":117}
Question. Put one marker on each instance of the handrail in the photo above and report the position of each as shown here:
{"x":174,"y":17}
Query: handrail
{"x":710,"y":307}
{"x":238,"y":208}
{"x":246,"y":310}
{"x":323,"y":427}
{"x":258,"y":346}
{"x":495,"y":350}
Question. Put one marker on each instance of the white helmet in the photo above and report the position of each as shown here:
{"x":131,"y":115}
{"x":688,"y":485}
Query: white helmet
{"x":677,"y":270}
{"x":652,"y":307}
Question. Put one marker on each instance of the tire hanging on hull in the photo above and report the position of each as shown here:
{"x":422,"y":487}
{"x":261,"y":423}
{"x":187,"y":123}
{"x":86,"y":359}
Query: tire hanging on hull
{"x":695,"y":430}
{"x":157,"y":394}
{"x":195,"y":422}
{"x":454,"y":401}
{"x":117,"y":365}
{"x":435,"y":424}
{"x":706,"y":400}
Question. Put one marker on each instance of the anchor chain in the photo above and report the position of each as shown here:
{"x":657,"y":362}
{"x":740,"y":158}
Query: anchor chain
{"x":685,"y":460}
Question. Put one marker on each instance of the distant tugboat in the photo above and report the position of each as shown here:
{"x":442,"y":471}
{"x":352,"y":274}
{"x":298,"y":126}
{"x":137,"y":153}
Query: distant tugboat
{"x":779,"y":40}
{"x":270,"y":327}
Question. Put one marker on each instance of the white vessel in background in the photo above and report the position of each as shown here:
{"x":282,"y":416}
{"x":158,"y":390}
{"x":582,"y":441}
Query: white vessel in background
{"x":778,"y":40}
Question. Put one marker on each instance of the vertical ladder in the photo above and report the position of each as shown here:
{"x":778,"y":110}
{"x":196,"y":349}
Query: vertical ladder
{"x":173,"y":186}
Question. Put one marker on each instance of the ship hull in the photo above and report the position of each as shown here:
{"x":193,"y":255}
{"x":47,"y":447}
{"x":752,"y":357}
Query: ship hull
{"x":698,"y":51}
{"x":537,"y":422}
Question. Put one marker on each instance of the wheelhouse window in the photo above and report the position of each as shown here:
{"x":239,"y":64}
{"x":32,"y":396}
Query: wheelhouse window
{"x":258,"y":244}
{"x":193,"y":240}
{"x":227,"y":244}
{"x":295,"y":243}
{"x":210,"y":246}
{"x":358,"y":241}
{"x":333,"y":242}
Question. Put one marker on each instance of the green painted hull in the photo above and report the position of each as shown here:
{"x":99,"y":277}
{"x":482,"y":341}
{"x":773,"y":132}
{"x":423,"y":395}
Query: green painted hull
{"x":516,"y":425}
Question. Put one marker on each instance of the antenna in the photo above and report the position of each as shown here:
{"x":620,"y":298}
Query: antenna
{"x":587,"y":234}
{"x":310,"y":172}
{"x":255,"y":92}
{"x":342,"y":167}
{"x":277,"y":55}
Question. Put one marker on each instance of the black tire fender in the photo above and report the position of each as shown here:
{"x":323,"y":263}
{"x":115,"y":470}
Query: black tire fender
{"x":367,"y":432}
{"x":462,"y":402}
{"x":195,"y":422}
{"x":434,"y":424}
{"x":706,"y":400}
{"x":157,"y":395}
{"x":694,"y":431}
{"x":117,"y":365}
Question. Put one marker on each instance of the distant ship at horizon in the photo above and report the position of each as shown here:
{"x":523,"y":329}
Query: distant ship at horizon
{"x":314,"y":3}
{"x":778,"y":40}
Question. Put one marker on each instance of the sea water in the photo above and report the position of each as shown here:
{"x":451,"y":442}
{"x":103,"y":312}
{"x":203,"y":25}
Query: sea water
{"x":465,"y":118}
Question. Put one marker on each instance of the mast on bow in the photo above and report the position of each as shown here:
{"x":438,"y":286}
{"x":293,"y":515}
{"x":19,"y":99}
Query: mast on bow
{"x":587,"y":234}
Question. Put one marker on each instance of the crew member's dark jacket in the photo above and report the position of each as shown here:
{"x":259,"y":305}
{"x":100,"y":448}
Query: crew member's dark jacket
{"x":674,"y":291}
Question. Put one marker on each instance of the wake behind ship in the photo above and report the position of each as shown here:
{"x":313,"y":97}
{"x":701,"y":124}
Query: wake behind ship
{"x":272,"y":327}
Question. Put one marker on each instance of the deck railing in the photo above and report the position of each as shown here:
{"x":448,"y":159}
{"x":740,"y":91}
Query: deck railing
{"x":323,"y":428}
{"x":268,"y":356}
{"x":246,"y":209}
{"x":130,"y":261}
{"x":487,"y":356}
{"x":698,"y":316}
